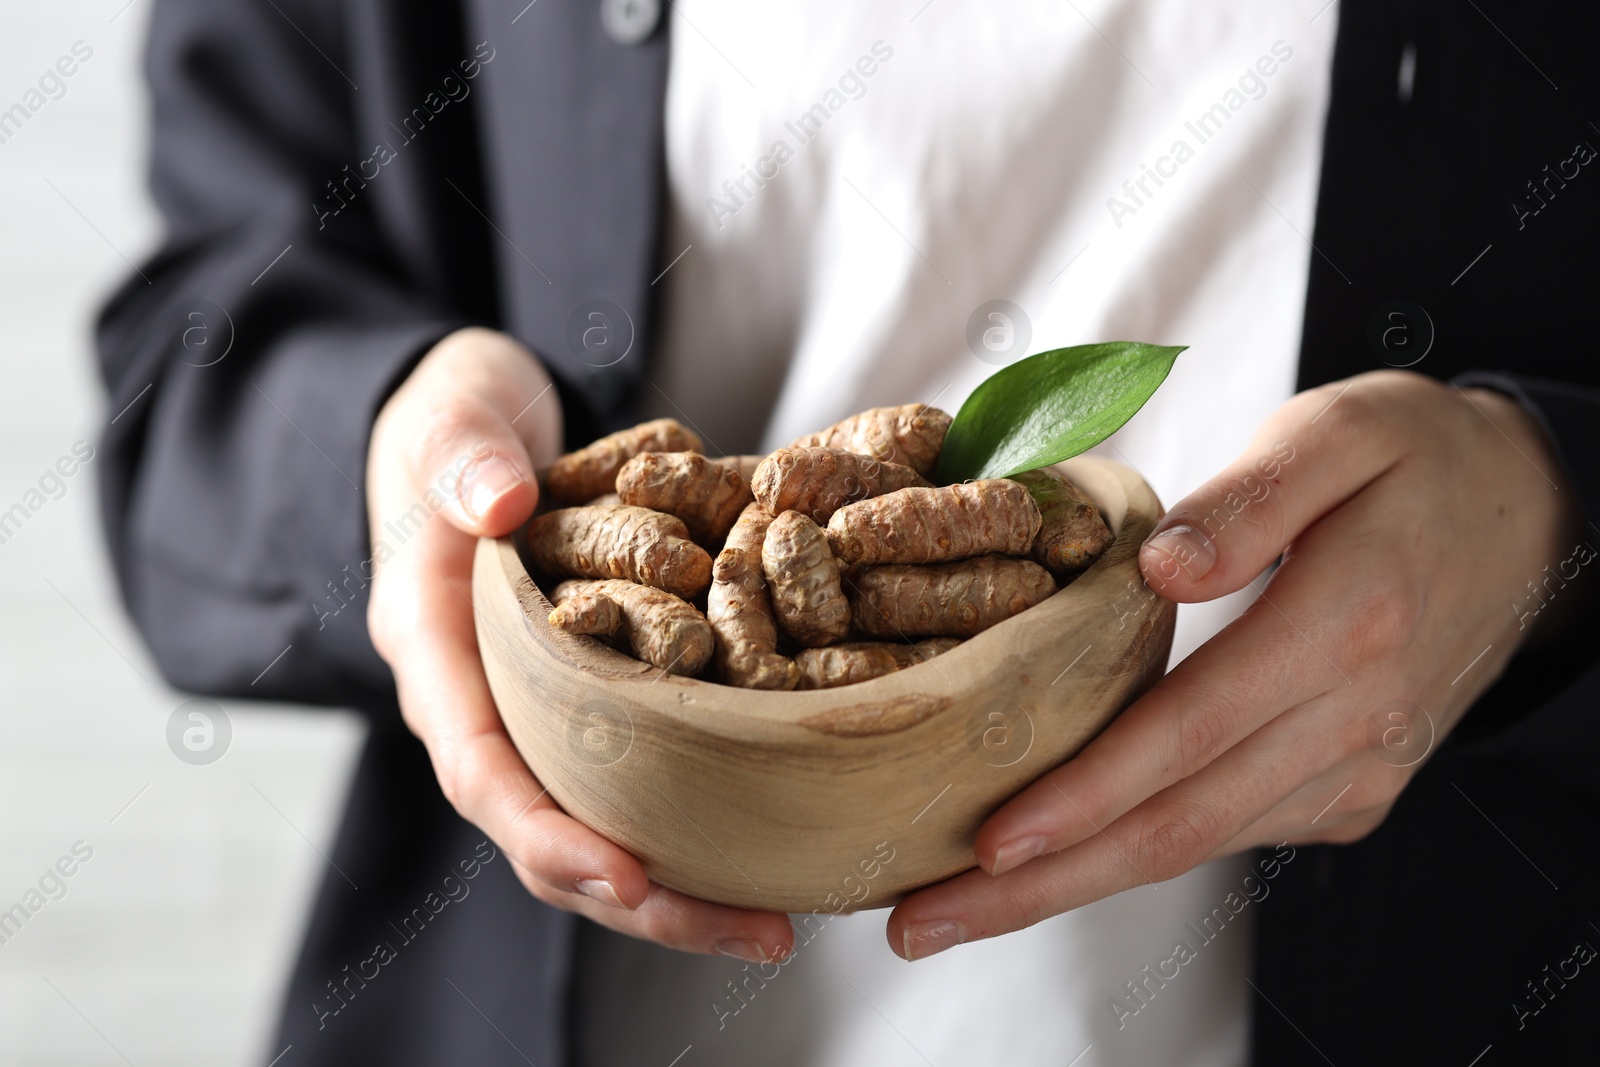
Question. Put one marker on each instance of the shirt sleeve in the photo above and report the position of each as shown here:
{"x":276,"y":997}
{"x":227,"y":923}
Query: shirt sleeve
{"x":246,"y":360}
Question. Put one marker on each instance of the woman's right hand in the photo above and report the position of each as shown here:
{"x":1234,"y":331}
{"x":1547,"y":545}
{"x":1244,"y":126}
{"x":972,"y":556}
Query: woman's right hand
{"x":480,"y":406}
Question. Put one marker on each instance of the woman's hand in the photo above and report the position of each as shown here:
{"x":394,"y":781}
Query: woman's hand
{"x":464,"y":434}
{"x":1411,"y":517}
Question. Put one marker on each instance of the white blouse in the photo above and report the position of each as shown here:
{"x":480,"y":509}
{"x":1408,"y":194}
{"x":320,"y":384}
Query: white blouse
{"x":850,"y":188}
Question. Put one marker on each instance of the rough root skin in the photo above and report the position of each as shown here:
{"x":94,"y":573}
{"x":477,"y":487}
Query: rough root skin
{"x":707,"y":494}
{"x":740,"y":610}
{"x":804,"y":578}
{"x":662,"y":630}
{"x":593,"y":614}
{"x":936,"y":525}
{"x":948,"y":599}
{"x":620,"y":542}
{"x":911,"y":434}
{"x":860,"y":661}
{"x":604,"y":500}
{"x":1072,"y":534}
{"x":819,"y":481}
{"x":592,"y":470}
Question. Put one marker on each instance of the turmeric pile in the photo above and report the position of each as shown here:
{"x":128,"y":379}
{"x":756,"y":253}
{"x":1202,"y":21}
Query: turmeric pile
{"x":662,"y":630}
{"x":819,"y":481}
{"x":591,"y":471}
{"x":829,"y":562}
{"x":937,"y":525}
{"x":619,"y":541}
{"x":806,"y":595}
{"x":706,"y":494}
{"x":740,"y":610}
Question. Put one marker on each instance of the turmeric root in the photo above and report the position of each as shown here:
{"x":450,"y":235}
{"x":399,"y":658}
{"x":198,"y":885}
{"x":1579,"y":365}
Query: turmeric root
{"x":819,"y":481}
{"x":604,"y":500}
{"x":740,"y":610}
{"x":911,"y":434}
{"x":804,"y":577}
{"x":1072,"y":534}
{"x":706,"y":494}
{"x":936,"y":525}
{"x":947,"y":599}
{"x":620,"y":542}
{"x":859,"y":661}
{"x":662,"y":630}
{"x":591,"y":613}
{"x":592,"y":469}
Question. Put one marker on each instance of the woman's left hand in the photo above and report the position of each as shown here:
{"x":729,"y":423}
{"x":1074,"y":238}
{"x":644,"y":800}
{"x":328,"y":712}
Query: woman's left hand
{"x":1411,"y":517}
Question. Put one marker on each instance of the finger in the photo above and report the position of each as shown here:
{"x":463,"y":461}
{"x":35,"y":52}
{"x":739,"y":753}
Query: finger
{"x":1166,"y":836}
{"x":448,"y":441}
{"x":465,"y":454}
{"x":1265,"y":662}
{"x":458,"y":434}
{"x":682,"y":922}
{"x":445,"y":698}
{"x":1316,"y":451}
{"x":1341,"y":805}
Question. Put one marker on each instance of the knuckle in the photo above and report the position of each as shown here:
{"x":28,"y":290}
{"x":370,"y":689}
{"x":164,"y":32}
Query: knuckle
{"x":451,"y":426}
{"x":1403,"y":383}
{"x":1203,"y":719}
{"x":382,"y":629}
{"x":449,"y":786}
{"x":1202,"y":733}
{"x":1350,"y":412}
{"x":1029,"y":905}
{"x":1179,"y":840}
{"x":1378,"y":407}
{"x":1095,"y":801}
{"x":461,"y":780}
{"x":1382,"y":620}
{"x":662,"y":926}
{"x":393,"y":617}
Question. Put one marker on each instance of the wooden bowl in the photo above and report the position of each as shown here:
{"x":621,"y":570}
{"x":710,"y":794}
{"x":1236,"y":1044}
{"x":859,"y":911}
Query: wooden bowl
{"x":834,"y":799}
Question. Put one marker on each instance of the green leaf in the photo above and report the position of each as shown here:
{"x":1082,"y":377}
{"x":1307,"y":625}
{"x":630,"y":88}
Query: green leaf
{"x":1050,"y":407}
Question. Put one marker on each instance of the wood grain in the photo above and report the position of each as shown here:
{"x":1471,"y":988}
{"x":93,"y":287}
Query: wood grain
{"x":781,"y":800}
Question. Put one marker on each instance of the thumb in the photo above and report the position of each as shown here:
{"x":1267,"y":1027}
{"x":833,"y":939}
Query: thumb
{"x":456,"y":438}
{"x":1217,"y":540}
{"x":471,"y":457}
{"x":458,"y":458}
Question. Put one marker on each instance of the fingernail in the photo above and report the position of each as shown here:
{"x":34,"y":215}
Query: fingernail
{"x":924,"y":939}
{"x":1185,"y":548}
{"x":1014,"y":854}
{"x":601,"y":890}
{"x":741,"y":948}
{"x":488,"y":482}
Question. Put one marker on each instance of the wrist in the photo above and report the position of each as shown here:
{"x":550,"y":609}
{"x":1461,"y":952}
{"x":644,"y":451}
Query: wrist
{"x":1560,"y":523}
